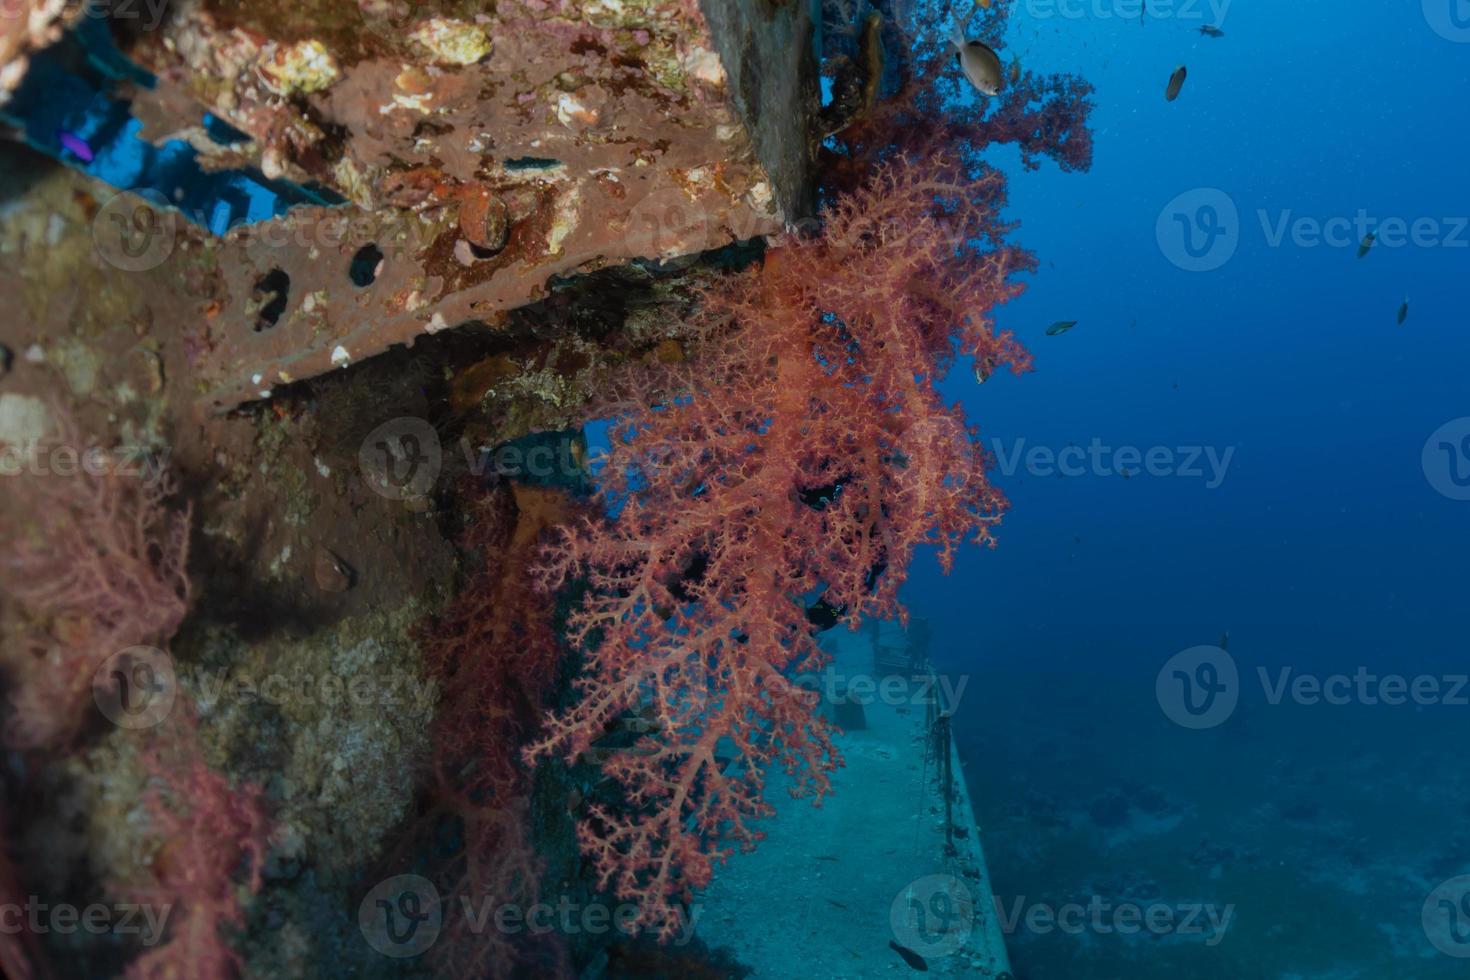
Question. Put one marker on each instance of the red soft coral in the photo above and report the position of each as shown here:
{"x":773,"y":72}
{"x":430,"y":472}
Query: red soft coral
{"x":1044,"y":116}
{"x":495,"y":655}
{"x":208,"y":830}
{"x":809,"y":452}
{"x":99,"y":561}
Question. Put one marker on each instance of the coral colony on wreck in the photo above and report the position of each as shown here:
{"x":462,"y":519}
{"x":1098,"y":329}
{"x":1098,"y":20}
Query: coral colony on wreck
{"x":617,"y":649}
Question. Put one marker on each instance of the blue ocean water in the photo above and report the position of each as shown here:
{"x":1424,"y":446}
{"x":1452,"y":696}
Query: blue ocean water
{"x":1306,"y":492}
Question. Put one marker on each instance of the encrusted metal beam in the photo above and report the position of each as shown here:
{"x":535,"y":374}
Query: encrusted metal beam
{"x":486,"y":149}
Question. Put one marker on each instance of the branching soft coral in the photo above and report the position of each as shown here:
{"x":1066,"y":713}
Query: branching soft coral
{"x":495,"y":654}
{"x":99,"y":565}
{"x":1044,"y":116}
{"x":208,"y":831}
{"x":809,"y":454}
{"x":102,"y":567}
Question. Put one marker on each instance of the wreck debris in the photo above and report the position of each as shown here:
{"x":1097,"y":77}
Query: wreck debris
{"x":485,"y":155}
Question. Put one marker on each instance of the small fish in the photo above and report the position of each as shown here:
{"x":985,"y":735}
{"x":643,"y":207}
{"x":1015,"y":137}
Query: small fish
{"x":1403,"y":311}
{"x":909,"y":956}
{"x":74,"y":143}
{"x":1060,"y":327}
{"x":823,"y":615}
{"x":1210,"y":30}
{"x":1015,"y":72}
{"x":1366,"y":244}
{"x":1176,"y":82}
{"x":980,"y":63}
{"x":984,"y":368}
{"x":332,"y":574}
{"x":639,"y":726}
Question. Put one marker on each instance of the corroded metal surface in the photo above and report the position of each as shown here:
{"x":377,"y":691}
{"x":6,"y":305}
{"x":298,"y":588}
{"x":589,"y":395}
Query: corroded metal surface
{"x":485,"y":153}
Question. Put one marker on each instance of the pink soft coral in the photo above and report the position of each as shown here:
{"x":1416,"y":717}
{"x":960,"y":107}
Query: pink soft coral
{"x":1044,"y":116}
{"x":100,"y":566}
{"x":495,"y":654}
{"x":807,"y":452}
{"x":208,"y":831}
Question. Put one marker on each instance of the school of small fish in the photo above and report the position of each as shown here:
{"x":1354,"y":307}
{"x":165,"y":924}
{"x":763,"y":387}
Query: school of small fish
{"x":982,"y":67}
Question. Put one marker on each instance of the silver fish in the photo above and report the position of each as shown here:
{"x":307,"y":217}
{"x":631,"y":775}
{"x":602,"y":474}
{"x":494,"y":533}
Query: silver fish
{"x":1366,"y":244}
{"x":980,"y":63}
{"x":1176,"y":82}
{"x":1404,"y":311}
{"x":1210,"y":30}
